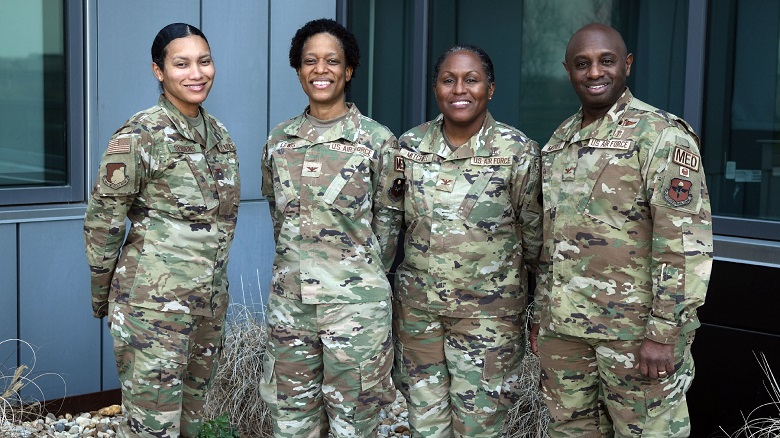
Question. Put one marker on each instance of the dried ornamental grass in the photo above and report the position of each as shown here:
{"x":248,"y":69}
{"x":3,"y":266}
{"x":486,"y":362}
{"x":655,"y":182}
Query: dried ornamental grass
{"x":235,"y":389}
{"x":529,"y":417}
{"x":763,"y":427}
{"x":14,"y":408}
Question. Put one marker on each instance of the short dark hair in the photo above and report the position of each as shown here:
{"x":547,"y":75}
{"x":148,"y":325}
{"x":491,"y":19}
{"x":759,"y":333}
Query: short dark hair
{"x":487,"y":64}
{"x":168,"y":34}
{"x":346,"y":38}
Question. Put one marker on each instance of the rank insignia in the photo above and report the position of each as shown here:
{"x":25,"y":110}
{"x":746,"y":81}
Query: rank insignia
{"x":396,"y":191}
{"x":116,"y":175}
{"x":311,"y":169}
{"x":679,"y":192}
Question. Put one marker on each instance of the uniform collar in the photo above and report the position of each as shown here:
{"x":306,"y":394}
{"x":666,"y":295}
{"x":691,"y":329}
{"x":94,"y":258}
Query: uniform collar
{"x":479,"y":145}
{"x":184,"y":127}
{"x":348,"y":129}
{"x":570,"y":131}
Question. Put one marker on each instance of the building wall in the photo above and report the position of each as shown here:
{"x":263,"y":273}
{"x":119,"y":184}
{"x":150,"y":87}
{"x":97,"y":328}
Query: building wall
{"x":44,"y":279}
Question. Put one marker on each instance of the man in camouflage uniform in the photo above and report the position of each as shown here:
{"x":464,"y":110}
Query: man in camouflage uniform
{"x":473,"y":227}
{"x":627,"y":255}
{"x":335,"y":199}
{"x":168,"y":289}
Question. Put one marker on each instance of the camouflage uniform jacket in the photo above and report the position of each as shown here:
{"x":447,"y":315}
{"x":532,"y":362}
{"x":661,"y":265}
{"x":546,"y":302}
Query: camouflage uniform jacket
{"x":627,"y":230}
{"x":473,"y":221}
{"x":335,"y":202}
{"x":181,"y":194}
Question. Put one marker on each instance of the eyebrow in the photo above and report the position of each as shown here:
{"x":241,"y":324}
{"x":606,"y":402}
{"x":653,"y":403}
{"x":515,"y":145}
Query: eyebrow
{"x":315,"y":55}
{"x":205,"y":55}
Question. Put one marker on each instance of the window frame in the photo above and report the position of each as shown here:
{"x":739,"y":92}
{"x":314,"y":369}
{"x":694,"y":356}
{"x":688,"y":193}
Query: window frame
{"x":73,"y":190}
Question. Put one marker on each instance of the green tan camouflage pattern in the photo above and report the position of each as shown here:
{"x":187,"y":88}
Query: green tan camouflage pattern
{"x":460,"y":376}
{"x":327,"y":367}
{"x":182,"y":202}
{"x":627,"y":227}
{"x":336,"y":203}
{"x":638,"y":406}
{"x":472,"y":221}
{"x":166,"y":362}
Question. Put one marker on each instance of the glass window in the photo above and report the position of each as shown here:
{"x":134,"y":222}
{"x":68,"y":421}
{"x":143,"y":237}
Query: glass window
{"x":526,"y":41}
{"x":741,"y":124}
{"x":38,"y":163}
{"x":382,"y":86}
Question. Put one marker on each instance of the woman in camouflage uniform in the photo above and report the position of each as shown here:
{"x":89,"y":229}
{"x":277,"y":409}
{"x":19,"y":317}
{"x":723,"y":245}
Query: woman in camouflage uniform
{"x":473,"y":227}
{"x":172,"y":170}
{"x":335,"y":192}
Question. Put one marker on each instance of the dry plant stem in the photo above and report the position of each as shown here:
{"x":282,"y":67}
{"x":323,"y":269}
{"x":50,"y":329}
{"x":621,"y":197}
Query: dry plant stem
{"x":14,"y":408}
{"x":235,"y":388}
{"x":768,"y":427}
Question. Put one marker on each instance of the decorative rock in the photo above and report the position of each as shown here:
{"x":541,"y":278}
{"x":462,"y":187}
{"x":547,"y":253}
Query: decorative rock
{"x":110,"y":411}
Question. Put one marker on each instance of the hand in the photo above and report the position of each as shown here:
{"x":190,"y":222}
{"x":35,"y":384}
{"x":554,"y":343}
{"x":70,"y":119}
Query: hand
{"x":99,"y":309}
{"x":656,"y":360}
{"x":534,"y":336}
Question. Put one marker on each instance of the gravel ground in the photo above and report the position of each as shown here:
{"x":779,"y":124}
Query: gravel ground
{"x":100,"y":424}
{"x":103,"y":424}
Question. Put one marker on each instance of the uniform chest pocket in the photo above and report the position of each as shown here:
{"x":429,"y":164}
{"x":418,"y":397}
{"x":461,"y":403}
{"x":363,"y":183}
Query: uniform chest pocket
{"x":350,"y":190}
{"x":486,"y":204}
{"x":613,"y":194}
{"x":224,"y":170}
{"x":189,"y":183}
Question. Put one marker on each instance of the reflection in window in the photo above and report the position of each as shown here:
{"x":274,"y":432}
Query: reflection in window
{"x":32,"y":94}
{"x":742,"y":109}
{"x":527,"y":43}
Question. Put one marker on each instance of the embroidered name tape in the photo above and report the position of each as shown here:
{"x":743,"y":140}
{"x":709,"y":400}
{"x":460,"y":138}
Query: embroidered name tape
{"x":552,"y":147}
{"x":286,"y":145}
{"x":348,"y":149}
{"x":183,"y":148}
{"x":226,"y":147}
{"x":491,"y":161}
{"x":414,"y":156}
{"x":610,"y":144}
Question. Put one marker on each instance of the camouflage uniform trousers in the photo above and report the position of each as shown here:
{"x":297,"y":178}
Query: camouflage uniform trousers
{"x":327,"y":367}
{"x":460,"y":376}
{"x":165,"y":362}
{"x":593,"y":390}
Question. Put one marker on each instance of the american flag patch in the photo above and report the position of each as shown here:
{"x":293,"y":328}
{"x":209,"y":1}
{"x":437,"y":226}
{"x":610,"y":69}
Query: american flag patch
{"x":118,"y":146}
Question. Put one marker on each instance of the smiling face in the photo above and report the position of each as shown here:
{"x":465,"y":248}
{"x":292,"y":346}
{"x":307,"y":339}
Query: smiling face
{"x":188,"y":73}
{"x":323,"y":74}
{"x":598,"y":64}
{"x":462,"y":90}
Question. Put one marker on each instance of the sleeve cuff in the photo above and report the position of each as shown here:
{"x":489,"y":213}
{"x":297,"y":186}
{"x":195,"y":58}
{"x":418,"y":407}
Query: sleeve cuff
{"x":662,"y":331}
